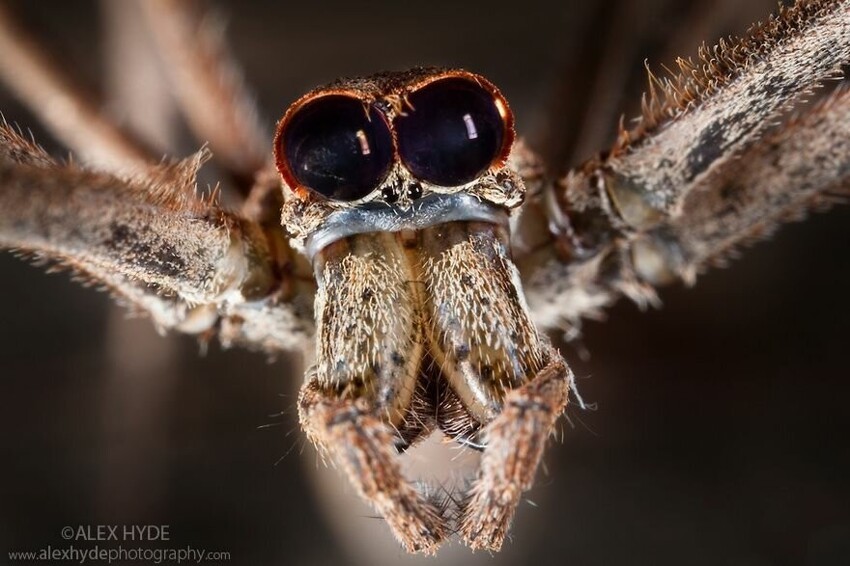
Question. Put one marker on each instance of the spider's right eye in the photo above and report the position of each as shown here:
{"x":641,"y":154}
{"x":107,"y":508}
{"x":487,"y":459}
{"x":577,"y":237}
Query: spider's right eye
{"x":455,"y":129}
{"x":337,"y":147}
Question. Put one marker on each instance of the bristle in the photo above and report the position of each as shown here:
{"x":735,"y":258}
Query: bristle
{"x":173,"y":184}
{"x":18,"y":149}
{"x":717,"y":66}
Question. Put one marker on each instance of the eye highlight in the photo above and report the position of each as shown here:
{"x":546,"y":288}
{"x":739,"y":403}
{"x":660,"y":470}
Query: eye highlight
{"x":454,"y":131}
{"x":335,"y":146}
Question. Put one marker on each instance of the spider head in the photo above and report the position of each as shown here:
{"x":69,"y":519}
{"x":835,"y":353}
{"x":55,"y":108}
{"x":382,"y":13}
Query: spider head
{"x":395,"y":151}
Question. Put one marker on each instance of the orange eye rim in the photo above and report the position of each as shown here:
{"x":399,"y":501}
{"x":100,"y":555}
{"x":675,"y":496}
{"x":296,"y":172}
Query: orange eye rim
{"x":369,"y":101}
{"x":499,"y":99}
{"x":282,"y":163}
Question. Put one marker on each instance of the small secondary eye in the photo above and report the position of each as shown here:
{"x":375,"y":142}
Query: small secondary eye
{"x":337,"y":149}
{"x":453,"y":132}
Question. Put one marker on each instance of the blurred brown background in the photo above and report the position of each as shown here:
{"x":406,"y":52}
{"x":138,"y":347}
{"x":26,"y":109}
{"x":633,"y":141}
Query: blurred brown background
{"x":720,"y":434}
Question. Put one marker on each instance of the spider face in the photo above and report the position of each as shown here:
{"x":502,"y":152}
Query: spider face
{"x":401,"y":173}
{"x":396,"y":151}
{"x":398,"y":188}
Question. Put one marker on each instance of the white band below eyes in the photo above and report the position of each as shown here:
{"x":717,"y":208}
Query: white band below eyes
{"x":380,"y":217}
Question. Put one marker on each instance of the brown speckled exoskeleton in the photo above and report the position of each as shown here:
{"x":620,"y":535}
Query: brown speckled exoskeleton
{"x":421,"y":321}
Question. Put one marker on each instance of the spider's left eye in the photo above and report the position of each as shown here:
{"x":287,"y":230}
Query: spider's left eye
{"x":337,"y":147}
{"x":456,"y":129}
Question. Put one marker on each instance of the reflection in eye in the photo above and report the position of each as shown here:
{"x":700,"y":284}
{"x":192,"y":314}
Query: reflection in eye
{"x":470,"y":127}
{"x":337,"y":147}
{"x":455,"y":133}
{"x":364,"y":142}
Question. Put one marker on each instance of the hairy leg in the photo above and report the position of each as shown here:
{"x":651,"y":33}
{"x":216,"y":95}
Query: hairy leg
{"x":209,"y":87}
{"x":607,"y":221}
{"x":361,"y":444}
{"x":514,"y":444}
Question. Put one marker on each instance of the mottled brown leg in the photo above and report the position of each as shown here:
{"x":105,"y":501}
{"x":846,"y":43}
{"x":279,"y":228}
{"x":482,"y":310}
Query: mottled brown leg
{"x":515,"y":441}
{"x":360,"y":443}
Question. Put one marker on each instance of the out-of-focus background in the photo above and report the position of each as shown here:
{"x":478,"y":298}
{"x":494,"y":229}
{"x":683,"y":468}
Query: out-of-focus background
{"x":721,"y":421}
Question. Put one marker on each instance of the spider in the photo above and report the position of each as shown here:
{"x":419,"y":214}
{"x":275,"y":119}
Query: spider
{"x":608,"y":235}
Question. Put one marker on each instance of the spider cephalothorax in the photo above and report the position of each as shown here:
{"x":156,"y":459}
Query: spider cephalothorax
{"x":398,"y":188}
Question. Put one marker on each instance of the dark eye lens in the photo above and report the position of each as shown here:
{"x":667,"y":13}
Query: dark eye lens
{"x":335,"y":148}
{"x":453,"y":133}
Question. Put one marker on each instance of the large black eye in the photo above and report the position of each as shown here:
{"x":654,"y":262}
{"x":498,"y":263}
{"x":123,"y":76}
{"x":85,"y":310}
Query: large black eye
{"x":453,"y":133}
{"x":335,"y":148}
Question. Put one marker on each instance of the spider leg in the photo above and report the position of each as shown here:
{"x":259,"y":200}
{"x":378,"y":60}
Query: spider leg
{"x":151,"y":233}
{"x":135,"y":82}
{"x":803,"y":166}
{"x":185,"y":248}
{"x":612,"y":223}
{"x":360,"y":443}
{"x":209,"y":87}
{"x":62,"y":105}
{"x":696,"y":121}
{"x":222,"y":113}
{"x":514,"y":441}
{"x":608,"y":44}
{"x":167,"y":237}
